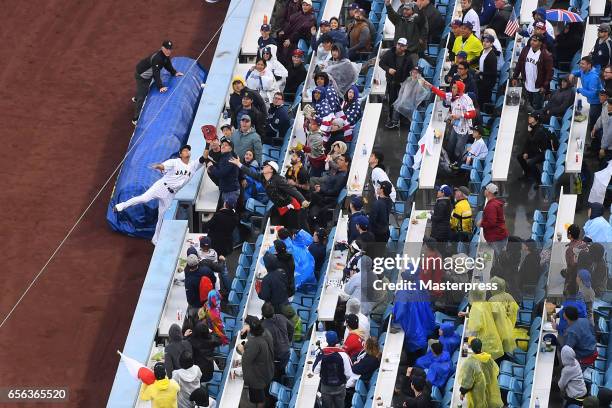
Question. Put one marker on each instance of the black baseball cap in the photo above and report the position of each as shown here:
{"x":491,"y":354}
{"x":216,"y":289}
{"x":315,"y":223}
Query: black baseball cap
{"x":477,"y":128}
{"x":227,"y":141}
{"x":186,"y":146}
{"x":167,"y":44}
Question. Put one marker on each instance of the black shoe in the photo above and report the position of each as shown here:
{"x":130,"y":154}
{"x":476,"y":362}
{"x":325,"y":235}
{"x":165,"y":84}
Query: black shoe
{"x":134,"y":99}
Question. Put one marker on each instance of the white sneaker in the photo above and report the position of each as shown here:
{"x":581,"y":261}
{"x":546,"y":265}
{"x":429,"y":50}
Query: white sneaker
{"x":212,"y":1}
{"x":134,"y":122}
{"x":116,"y":208}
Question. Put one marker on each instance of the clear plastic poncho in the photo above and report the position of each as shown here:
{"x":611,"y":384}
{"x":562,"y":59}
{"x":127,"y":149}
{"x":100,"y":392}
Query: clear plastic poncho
{"x":410,"y":95}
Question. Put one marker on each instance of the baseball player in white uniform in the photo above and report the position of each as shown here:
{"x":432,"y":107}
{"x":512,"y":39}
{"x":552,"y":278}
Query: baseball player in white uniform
{"x":176,"y":173}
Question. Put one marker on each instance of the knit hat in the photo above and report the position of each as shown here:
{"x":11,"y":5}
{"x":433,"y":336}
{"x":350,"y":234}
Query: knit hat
{"x":464,"y":190}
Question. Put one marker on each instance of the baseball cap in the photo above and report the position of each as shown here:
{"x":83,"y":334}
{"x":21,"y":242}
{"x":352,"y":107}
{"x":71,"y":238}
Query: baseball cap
{"x":445,"y":189}
{"x":209,"y":132}
{"x":246,"y":94}
{"x":331,"y":337}
{"x":245,"y":118}
{"x":267,"y":50}
{"x":362,"y":221}
{"x":540,"y":24}
{"x":204,"y":241}
{"x":354,"y":6}
{"x":272,"y":164}
{"x":604,"y":27}
{"x":464,"y":190}
{"x":167,"y":44}
{"x":537,"y":37}
{"x":309,"y":2}
{"x":192,"y":260}
{"x":297,"y":53}
{"x":492,"y":188}
{"x":477,"y":128}
{"x":357,"y":202}
{"x":456,"y":23}
{"x":402,"y":41}
{"x":324,"y":23}
{"x":265,"y":27}
{"x":185,"y":147}
{"x":488,"y":38}
{"x":468,"y":24}
{"x":226,"y":126}
{"x":462,"y":54}
{"x":228,"y":142}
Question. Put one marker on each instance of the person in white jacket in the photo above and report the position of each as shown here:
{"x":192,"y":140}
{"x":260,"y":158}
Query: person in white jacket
{"x":261,"y":79}
{"x":279,"y":71}
{"x":188,"y":378}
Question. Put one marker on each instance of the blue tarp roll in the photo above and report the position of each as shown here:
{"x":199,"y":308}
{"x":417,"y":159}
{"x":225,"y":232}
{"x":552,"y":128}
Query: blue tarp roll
{"x":167,"y":119}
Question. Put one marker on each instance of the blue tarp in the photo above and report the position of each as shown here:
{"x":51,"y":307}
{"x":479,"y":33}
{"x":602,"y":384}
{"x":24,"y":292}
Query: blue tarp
{"x":163,"y":128}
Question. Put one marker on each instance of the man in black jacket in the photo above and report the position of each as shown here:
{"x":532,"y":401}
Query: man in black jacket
{"x":225,"y":173}
{"x":560,"y":99}
{"x":397,"y":65}
{"x":380,"y":212}
{"x":281,"y":330}
{"x":296,"y":74}
{"x":534,"y":149}
{"x":441,"y":215}
{"x":325,"y":191}
{"x":356,"y":208}
{"x":274,"y":288}
{"x":248,"y":107}
{"x":149,"y":68}
{"x":221,"y":227}
{"x":278,"y":121}
{"x":435,"y":21}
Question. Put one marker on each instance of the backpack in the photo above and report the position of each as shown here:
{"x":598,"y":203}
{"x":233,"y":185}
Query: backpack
{"x":205,"y":287}
{"x":332,"y":370}
{"x":551,"y":137}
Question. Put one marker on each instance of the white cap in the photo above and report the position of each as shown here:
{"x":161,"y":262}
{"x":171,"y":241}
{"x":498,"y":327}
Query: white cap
{"x":272,"y":164}
{"x":307,"y":2}
{"x":402,"y":41}
{"x":492,"y":188}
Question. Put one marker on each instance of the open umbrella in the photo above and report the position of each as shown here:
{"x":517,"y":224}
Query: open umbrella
{"x":562,"y":15}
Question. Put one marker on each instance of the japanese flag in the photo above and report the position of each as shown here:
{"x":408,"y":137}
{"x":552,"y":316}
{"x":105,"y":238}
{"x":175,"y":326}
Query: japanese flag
{"x":425,"y":145}
{"x":138,"y":370}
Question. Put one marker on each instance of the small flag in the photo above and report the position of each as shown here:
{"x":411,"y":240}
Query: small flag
{"x":512,"y":25}
{"x":265,"y":19}
{"x":137,"y":370}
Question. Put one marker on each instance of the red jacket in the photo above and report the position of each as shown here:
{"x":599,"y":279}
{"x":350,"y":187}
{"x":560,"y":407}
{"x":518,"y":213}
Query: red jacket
{"x":353,"y":344}
{"x":493,"y":221}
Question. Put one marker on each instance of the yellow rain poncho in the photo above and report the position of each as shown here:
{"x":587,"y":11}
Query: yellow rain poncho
{"x":482,"y":325}
{"x":490,"y":371}
{"x":505,"y":311}
{"x":473,"y":383}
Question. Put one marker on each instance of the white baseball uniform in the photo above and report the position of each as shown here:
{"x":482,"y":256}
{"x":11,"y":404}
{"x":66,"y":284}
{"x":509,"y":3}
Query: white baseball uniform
{"x":176,"y":175}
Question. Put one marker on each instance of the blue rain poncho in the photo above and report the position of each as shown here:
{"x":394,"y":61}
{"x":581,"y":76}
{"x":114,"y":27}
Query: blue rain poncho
{"x":449,"y":339}
{"x":304,"y":261}
{"x":412,"y":311}
{"x":439,"y":368}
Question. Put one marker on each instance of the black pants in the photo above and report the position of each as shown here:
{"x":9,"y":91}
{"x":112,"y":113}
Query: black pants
{"x":142,"y":90}
{"x":530,"y":166}
{"x":594,"y":114}
{"x":392,"y":93}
